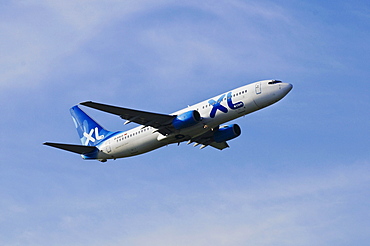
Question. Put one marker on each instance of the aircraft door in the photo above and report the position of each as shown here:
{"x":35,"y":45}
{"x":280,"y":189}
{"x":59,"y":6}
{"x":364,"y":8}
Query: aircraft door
{"x":258,"y":88}
{"x":107,"y":147}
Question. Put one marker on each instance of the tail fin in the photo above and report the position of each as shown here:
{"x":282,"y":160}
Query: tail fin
{"x":90,"y":132}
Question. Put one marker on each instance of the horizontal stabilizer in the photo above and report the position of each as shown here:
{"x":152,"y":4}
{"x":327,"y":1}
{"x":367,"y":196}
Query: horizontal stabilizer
{"x":79,"y":149}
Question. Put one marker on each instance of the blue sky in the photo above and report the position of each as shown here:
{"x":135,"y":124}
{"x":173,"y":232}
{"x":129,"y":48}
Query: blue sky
{"x":298,"y":175}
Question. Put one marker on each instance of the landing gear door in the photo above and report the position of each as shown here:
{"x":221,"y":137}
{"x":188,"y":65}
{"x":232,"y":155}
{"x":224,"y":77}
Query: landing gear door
{"x":258,"y":88}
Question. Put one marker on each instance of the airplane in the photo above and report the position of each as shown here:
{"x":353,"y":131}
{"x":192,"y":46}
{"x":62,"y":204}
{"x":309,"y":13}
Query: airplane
{"x":201,"y":123}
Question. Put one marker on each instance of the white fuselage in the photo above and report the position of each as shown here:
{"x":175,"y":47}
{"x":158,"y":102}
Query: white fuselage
{"x":242,"y":101}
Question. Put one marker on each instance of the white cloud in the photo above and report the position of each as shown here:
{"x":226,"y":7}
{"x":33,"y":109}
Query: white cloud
{"x":290,"y":210}
{"x":44,"y":39}
{"x":36,"y":34}
{"x":41,"y":34}
{"x":304,"y":207}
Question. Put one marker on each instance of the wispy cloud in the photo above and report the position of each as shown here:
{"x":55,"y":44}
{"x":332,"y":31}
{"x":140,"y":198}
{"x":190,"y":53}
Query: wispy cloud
{"x":296,"y":210}
{"x":278,"y":186}
{"x":38,"y":34}
{"x":304,"y":208}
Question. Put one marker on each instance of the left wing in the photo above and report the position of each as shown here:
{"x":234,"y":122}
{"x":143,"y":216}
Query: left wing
{"x":160,"y":121}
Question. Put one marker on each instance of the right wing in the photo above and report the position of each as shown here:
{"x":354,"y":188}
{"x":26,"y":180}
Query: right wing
{"x":160,"y":121}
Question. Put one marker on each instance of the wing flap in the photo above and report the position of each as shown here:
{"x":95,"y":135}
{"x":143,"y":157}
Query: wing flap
{"x":220,"y":146}
{"x":206,"y":139}
{"x":79,"y":149}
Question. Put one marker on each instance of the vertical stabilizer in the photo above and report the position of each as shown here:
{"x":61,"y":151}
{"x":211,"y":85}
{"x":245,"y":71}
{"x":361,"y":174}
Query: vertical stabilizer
{"x":90,"y":132}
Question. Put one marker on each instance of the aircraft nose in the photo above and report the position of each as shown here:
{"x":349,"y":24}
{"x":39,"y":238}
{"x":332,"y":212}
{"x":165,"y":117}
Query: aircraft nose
{"x":287,"y":87}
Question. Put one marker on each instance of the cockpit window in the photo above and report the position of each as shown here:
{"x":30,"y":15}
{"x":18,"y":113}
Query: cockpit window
{"x":274,"y":82}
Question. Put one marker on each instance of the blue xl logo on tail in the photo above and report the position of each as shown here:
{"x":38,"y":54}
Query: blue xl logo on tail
{"x":90,"y":138}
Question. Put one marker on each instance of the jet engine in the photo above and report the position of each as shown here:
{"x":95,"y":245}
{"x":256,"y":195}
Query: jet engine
{"x":226,"y":133}
{"x":186,"y":119}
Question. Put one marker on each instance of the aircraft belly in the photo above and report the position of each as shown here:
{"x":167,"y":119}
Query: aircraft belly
{"x":138,"y":146}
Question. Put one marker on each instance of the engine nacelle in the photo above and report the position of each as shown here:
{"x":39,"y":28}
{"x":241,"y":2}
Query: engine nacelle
{"x":186,"y":119}
{"x":227,"y":133}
